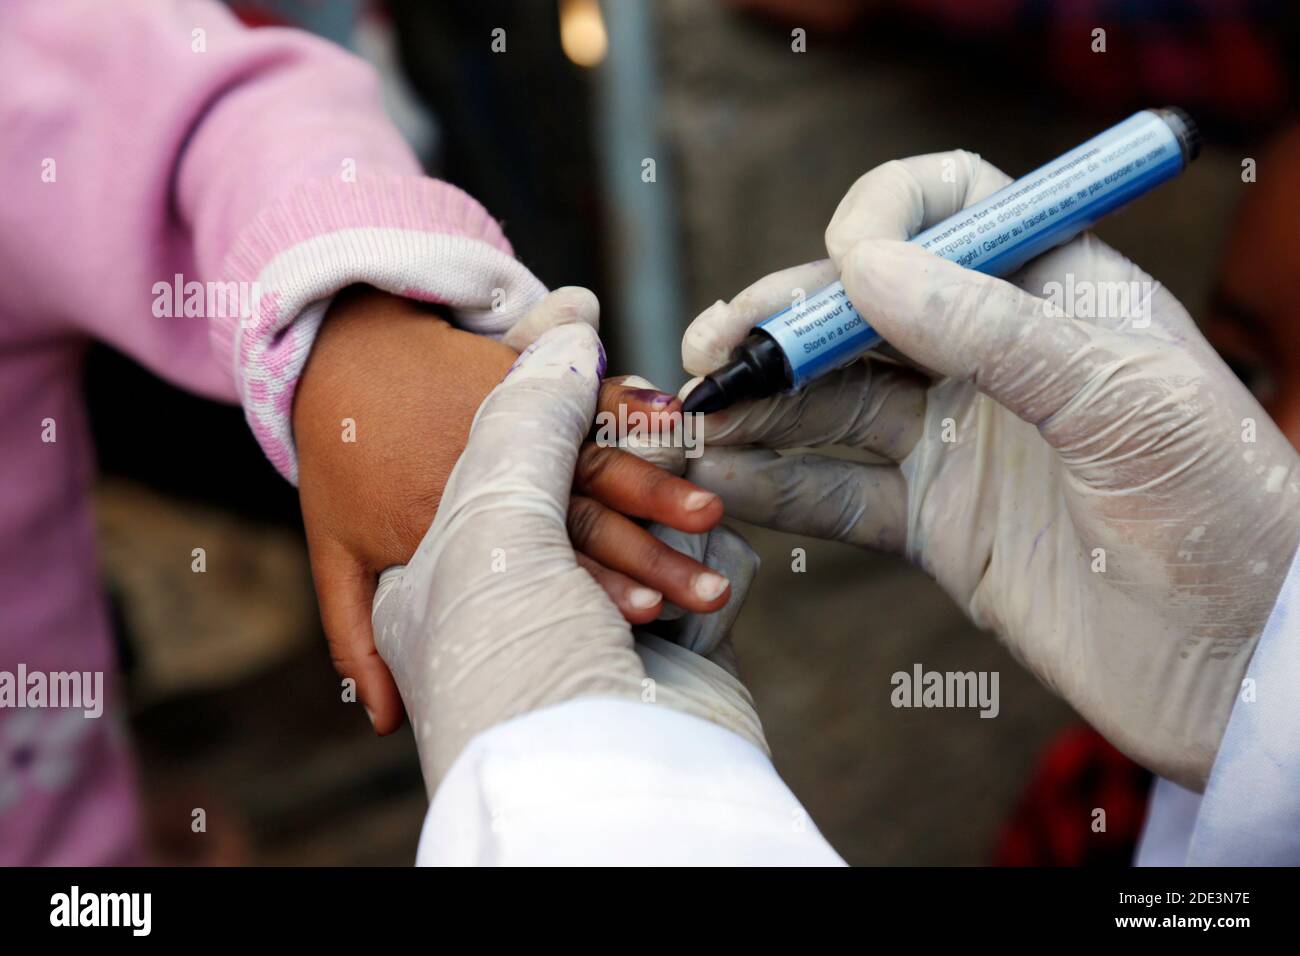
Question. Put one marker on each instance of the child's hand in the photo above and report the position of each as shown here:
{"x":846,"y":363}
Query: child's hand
{"x":382,"y":413}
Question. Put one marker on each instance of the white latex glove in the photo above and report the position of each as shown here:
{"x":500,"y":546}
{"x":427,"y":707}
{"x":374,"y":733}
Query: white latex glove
{"x":1043,"y":445}
{"x":493,"y":617}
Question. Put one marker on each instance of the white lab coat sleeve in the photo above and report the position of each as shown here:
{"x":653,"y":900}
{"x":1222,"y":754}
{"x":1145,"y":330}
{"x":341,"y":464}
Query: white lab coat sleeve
{"x":1171,"y":818}
{"x":1250,"y":813}
{"x":611,"y":782}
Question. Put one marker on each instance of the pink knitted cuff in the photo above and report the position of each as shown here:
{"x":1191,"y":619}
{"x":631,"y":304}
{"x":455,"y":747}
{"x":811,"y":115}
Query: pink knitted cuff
{"x":411,"y":236}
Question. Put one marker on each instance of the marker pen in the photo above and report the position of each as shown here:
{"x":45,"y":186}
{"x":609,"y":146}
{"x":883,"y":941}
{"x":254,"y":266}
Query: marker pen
{"x":1037,"y":212}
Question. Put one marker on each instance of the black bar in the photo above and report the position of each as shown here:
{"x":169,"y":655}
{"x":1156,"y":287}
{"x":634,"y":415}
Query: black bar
{"x":435,"y":908}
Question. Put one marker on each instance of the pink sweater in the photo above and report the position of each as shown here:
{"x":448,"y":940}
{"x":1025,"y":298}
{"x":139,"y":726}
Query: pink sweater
{"x":141,"y":140}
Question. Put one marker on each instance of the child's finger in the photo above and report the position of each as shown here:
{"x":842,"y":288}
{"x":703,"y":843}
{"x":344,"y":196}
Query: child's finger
{"x":633,"y":414}
{"x":637,"y":393}
{"x":621,"y":545}
{"x":637,"y":603}
{"x":639,"y":489}
{"x":345,"y":589}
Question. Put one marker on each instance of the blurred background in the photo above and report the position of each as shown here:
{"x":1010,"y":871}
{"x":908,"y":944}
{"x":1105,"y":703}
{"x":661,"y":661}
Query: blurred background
{"x":757,"y":116}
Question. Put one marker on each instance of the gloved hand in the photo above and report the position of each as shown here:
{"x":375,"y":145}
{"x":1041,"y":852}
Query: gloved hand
{"x":408,"y":384}
{"x":1096,"y":489}
{"x":493,"y":617}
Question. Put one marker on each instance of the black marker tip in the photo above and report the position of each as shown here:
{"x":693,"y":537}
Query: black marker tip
{"x":706,"y":397}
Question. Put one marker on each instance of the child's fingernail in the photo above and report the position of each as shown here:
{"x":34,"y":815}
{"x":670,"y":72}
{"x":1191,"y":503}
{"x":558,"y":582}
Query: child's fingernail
{"x":643,"y":598}
{"x":708,"y":586}
{"x":371,"y":714}
{"x":650,"y":396}
{"x":698,"y":500}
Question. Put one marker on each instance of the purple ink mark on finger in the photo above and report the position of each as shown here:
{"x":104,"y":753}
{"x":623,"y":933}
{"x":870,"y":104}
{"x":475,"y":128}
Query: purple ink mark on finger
{"x":651,"y":396}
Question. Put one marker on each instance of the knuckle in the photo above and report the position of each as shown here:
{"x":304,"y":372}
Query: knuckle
{"x":659,"y":560}
{"x":644,"y":478}
{"x":345,"y":664}
{"x":595,"y":462}
{"x":583,"y":521}
{"x":610,"y":394}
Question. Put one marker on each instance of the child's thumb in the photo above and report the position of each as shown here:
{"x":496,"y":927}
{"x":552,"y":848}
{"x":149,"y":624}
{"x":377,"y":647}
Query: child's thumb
{"x":344,"y":591}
